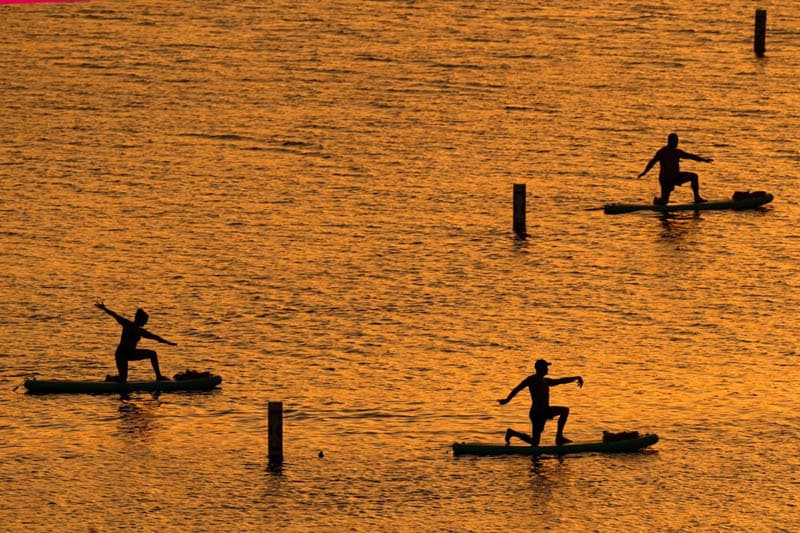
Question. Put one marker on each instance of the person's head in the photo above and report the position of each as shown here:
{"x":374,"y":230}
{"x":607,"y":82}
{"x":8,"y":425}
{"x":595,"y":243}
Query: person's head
{"x":541,"y":366}
{"x":672,"y":140}
{"x":141,"y":317}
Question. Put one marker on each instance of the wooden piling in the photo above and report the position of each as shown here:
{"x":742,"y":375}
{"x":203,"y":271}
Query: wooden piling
{"x":760,"y":38}
{"x":275,"y":432}
{"x":519,"y":210}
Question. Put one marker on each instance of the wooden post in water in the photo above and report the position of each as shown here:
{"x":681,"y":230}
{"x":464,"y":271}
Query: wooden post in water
{"x":759,"y":41}
{"x":519,"y":209}
{"x":275,"y":432}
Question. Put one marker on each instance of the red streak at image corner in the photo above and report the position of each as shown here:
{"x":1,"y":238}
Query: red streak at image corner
{"x":40,"y":1}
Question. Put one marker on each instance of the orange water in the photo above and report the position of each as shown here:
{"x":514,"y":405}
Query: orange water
{"x":314,"y":200}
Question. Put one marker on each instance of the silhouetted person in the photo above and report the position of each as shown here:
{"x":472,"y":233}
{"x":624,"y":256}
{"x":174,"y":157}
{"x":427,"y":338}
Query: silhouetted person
{"x":132,"y":332}
{"x":670,"y":174}
{"x":541,"y":410}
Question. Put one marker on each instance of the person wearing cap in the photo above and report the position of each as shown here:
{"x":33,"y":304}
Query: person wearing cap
{"x":132,"y":332}
{"x":541,"y":410}
{"x":670,"y":174}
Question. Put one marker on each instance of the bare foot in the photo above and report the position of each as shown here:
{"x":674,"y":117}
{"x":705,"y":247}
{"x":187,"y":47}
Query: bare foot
{"x":508,"y":436}
{"x":562,"y":440}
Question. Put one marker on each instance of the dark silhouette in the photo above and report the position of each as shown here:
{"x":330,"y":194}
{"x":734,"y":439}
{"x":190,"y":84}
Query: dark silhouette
{"x":541,"y":410}
{"x":670,"y":174}
{"x":132,"y":332}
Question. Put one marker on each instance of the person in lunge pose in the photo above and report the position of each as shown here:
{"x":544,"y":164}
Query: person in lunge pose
{"x":132,"y":332}
{"x":541,"y":410}
{"x":670,"y":174}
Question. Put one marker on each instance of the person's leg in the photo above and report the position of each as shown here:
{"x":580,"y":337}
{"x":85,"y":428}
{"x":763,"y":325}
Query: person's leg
{"x":521,"y":436}
{"x":537,"y":427}
{"x":694,"y":179}
{"x":666,"y":189}
{"x":153,"y":356}
{"x":562,"y":413}
{"x":536,"y":436}
{"x":122,"y":369}
{"x":696,"y":190}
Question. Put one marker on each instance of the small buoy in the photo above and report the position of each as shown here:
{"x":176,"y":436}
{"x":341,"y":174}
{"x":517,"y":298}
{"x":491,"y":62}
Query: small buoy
{"x":321,"y":455}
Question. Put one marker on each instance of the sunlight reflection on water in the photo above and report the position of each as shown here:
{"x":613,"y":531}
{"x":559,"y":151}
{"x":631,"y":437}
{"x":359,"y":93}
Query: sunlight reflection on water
{"x":314,"y":200}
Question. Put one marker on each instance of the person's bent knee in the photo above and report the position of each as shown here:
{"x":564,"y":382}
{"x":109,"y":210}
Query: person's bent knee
{"x":140,"y":354}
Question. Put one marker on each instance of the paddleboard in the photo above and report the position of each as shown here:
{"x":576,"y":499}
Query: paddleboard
{"x":745,"y":203}
{"x":63,"y":386}
{"x":616,"y":446}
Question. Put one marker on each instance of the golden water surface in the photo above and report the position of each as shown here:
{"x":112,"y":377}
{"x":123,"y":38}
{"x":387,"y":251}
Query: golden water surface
{"x":313,"y":199}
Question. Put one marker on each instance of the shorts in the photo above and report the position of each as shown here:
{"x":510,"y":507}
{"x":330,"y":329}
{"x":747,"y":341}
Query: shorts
{"x":669,"y":184}
{"x":539,"y":418}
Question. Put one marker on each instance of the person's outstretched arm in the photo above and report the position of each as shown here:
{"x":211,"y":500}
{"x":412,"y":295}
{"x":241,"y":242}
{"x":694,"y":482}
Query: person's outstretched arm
{"x":155,"y":337}
{"x":122,"y":321}
{"x":562,"y":381}
{"x":514,"y":391}
{"x":695,"y":157}
{"x":649,"y":165}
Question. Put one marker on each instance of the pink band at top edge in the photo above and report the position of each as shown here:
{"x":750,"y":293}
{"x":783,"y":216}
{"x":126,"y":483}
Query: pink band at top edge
{"x":40,"y":1}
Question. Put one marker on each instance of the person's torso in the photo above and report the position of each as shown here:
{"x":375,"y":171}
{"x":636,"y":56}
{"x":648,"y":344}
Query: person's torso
{"x":669,"y":160}
{"x":130,"y":337}
{"x":540,"y":394}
